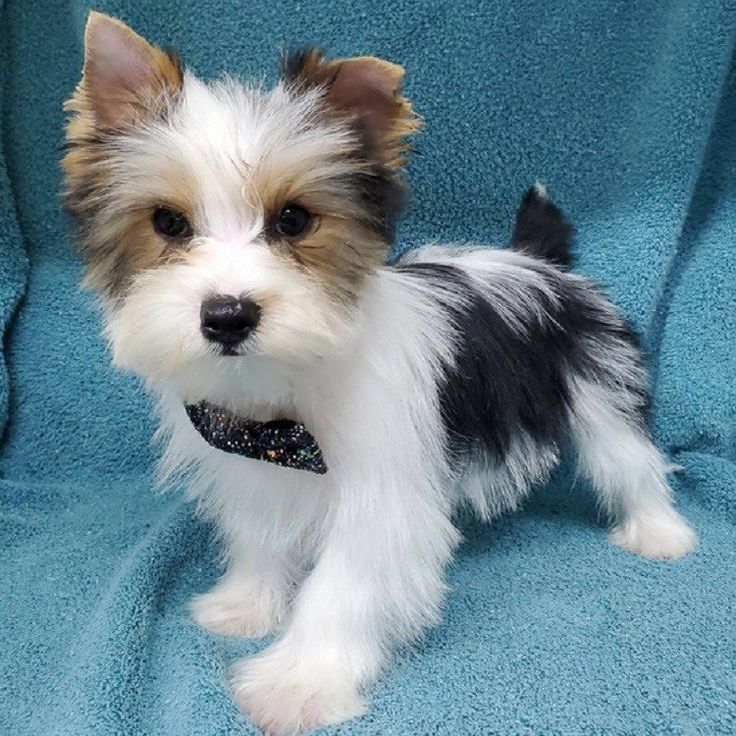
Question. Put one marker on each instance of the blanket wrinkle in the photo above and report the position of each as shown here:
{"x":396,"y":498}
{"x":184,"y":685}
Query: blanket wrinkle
{"x":683,"y":249}
{"x":14,"y":262}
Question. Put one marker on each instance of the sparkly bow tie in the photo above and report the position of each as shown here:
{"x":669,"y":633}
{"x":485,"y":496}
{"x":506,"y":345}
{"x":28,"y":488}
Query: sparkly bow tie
{"x":281,"y":441}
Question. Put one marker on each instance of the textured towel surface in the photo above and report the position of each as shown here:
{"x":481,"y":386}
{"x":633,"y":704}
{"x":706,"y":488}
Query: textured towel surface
{"x":628,"y":111}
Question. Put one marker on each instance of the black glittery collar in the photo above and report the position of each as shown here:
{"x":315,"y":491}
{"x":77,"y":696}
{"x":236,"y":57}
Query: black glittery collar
{"x":281,"y":441}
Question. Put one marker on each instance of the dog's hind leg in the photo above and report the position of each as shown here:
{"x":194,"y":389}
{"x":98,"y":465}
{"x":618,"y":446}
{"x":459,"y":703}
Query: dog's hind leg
{"x":629,"y":475}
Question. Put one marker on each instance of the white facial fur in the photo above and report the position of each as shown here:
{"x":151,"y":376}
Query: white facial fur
{"x":155,"y":330}
{"x":215,"y":140}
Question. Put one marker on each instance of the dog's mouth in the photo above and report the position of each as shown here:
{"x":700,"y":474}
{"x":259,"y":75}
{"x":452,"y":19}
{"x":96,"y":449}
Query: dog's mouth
{"x":235,"y":350}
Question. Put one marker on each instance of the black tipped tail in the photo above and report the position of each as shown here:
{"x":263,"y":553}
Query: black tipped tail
{"x":541,"y":229}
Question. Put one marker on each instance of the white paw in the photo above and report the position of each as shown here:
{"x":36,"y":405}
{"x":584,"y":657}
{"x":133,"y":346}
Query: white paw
{"x":660,"y":536}
{"x":285,"y":694}
{"x":250,"y":609}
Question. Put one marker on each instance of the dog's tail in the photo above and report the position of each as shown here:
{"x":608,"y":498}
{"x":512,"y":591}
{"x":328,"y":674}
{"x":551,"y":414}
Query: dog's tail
{"x":541,"y":229}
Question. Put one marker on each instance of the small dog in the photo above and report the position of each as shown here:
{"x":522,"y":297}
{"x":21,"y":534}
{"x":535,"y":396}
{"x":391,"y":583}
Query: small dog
{"x":332,"y":412}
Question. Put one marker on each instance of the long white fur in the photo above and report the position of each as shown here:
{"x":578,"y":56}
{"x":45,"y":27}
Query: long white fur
{"x":351,"y":564}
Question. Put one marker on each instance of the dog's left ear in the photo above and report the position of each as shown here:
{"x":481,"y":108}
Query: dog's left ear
{"x":365,"y":88}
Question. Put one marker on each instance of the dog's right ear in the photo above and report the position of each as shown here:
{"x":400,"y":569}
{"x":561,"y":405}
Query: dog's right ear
{"x":125,"y":78}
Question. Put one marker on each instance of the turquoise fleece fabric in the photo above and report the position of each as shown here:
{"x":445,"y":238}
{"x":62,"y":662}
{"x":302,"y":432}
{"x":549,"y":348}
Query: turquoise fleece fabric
{"x":628,"y":111}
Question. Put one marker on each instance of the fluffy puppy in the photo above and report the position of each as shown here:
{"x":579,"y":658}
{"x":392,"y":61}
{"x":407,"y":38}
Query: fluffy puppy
{"x":331,"y":412}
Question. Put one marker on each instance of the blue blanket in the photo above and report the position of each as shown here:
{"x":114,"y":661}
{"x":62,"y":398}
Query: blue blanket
{"x":628,"y":111}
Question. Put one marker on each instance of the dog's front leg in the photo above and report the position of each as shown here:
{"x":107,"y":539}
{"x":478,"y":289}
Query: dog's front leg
{"x":251,"y":597}
{"x":378,"y":582}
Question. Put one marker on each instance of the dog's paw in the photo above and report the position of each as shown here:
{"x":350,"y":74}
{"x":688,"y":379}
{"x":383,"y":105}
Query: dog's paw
{"x":251,"y":609}
{"x":664,"y":536}
{"x":284,"y":693}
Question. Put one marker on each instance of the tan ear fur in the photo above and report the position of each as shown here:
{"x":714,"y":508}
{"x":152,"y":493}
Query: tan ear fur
{"x":124,"y":77}
{"x":364,"y":87}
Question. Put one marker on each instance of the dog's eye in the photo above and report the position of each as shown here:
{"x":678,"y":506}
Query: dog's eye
{"x":293,"y":220}
{"x":171,"y":223}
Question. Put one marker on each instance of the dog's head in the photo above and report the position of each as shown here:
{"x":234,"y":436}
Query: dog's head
{"x":228,"y":220}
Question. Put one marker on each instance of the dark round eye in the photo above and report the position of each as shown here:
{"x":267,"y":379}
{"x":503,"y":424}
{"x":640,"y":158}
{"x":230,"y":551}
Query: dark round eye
{"x":171,"y":223}
{"x":292,"y":220}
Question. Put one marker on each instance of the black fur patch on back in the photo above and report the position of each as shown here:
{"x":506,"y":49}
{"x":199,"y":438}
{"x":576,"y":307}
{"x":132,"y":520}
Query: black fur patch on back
{"x":541,"y":229}
{"x":505,"y":381}
{"x":500,"y":382}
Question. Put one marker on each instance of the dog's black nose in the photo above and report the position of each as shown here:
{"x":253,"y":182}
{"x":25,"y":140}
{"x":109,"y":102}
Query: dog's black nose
{"x":228,"y":320}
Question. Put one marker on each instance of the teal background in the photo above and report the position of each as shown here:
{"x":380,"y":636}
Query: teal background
{"x":628,"y":111}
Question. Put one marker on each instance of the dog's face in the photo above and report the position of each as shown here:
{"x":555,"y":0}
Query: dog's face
{"x":221,"y":221}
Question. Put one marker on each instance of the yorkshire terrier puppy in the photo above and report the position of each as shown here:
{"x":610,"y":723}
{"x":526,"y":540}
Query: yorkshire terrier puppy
{"x":331,"y":412}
